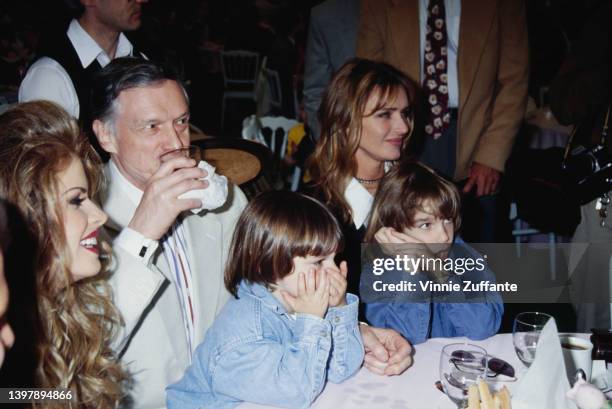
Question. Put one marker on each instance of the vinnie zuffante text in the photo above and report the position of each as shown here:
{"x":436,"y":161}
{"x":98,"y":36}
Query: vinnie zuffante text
{"x":456,"y":265}
{"x":464,"y":286}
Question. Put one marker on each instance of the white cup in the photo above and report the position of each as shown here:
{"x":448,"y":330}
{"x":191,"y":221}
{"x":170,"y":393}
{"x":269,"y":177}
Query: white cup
{"x":577,"y":355}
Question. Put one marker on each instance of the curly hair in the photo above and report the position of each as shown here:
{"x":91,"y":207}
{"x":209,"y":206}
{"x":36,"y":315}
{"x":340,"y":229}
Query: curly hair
{"x":78,"y":318}
{"x":341,"y":112}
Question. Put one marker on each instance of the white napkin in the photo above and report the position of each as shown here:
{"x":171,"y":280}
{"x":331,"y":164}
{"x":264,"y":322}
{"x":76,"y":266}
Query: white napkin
{"x":214,"y":195}
{"x":545,"y":384}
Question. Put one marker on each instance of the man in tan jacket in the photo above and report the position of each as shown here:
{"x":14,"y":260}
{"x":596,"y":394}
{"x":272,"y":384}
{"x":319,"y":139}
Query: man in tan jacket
{"x":483,"y":54}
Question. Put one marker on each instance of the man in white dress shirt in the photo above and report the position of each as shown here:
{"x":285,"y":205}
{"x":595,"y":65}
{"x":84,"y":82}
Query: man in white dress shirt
{"x":168,"y":280}
{"x":68,"y":61}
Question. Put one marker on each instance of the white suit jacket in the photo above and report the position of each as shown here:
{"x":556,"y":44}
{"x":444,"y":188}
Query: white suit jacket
{"x":154,"y":345}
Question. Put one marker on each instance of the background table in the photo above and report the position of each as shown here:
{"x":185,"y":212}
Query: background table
{"x":415,"y":388}
{"x":546,"y":132}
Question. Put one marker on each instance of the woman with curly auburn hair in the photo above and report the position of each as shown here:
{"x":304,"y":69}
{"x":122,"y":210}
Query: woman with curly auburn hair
{"x":51,"y":174}
{"x":366,"y":118}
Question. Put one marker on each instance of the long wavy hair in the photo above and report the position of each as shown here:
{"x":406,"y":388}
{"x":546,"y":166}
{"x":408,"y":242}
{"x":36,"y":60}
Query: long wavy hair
{"x":78,"y":318}
{"x":341,"y":113}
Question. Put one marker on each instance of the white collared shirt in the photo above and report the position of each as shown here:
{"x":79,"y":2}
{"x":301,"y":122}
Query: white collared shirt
{"x":47,"y":79}
{"x":453,"y":20}
{"x":360,"y":201}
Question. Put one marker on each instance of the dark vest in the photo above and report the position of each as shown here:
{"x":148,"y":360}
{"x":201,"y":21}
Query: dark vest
{"x":353,"y":238}
{"x":59,"y":48}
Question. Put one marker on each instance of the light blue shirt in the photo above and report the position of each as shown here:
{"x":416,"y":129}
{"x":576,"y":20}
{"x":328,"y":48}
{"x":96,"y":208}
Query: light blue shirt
{"x":257,"y":352}
{"x":453,"y":19}
{"x":419,"y":316}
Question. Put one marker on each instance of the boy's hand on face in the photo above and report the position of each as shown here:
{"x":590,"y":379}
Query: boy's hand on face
{"x":401,"y":244}
{"x":337,"y":285}
{"x":312,"y":294}
{"x":388,"y":235}
{"x":406,"y":245}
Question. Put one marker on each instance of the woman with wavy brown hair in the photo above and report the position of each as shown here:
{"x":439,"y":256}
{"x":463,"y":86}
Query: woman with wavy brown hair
{"x":366,"y":117}
{"x":51,"y":174}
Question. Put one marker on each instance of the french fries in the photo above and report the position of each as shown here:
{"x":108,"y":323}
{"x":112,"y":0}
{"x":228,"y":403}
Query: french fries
{"x":480,"y":397}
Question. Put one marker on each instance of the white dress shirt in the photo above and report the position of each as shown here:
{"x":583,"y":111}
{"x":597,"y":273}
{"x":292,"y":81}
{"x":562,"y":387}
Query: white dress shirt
{"x":47,"y":79}
{"x":453,"y":19}
{"x":360,"y":201}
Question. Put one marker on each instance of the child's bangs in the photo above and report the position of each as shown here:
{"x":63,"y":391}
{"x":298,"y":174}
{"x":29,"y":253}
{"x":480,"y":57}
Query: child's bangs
{"x":436,"y":206}
{"x":441,"y":201}
{"x":438,"y":199}
{"x":316,"y":237}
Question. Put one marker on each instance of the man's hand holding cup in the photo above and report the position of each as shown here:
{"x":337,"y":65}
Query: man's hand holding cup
{"x":160,"y":204}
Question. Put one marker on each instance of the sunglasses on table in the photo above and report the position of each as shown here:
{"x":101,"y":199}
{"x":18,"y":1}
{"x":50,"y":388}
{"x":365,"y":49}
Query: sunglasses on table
{"x":466,"y":361}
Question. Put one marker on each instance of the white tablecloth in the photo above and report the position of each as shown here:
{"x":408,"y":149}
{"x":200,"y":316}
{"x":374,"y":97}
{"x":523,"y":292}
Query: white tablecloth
{"x":415,"y":388}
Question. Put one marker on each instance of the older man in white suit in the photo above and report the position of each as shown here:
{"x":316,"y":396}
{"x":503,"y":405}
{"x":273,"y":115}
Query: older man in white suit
{"x":168,"y":280}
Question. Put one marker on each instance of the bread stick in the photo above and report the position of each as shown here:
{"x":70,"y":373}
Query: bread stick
{"x":504,"y":397}
{"x":473,"y":398}
{"x":485,"y":395}
{"x":496,"y":401}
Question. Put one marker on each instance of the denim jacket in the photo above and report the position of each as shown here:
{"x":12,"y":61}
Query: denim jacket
{"x":418,"y":321}
{"x":256,"y":352}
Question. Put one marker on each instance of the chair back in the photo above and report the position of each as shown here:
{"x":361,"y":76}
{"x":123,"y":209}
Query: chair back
{"x":275,"y":99}
{"x":276,"y":138}
{"x":273,"y":132}
{"x":239,"y":68}
{"x":251,"y":129}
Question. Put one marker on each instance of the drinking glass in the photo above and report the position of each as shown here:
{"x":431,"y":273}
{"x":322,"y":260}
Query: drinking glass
{"x":462,"y":365}
{"x":190,"y":151}
{"x":526,"y":334}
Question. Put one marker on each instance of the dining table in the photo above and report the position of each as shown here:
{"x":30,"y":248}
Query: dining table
{"x":413,"y":389}
{"x":416,"y":387}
